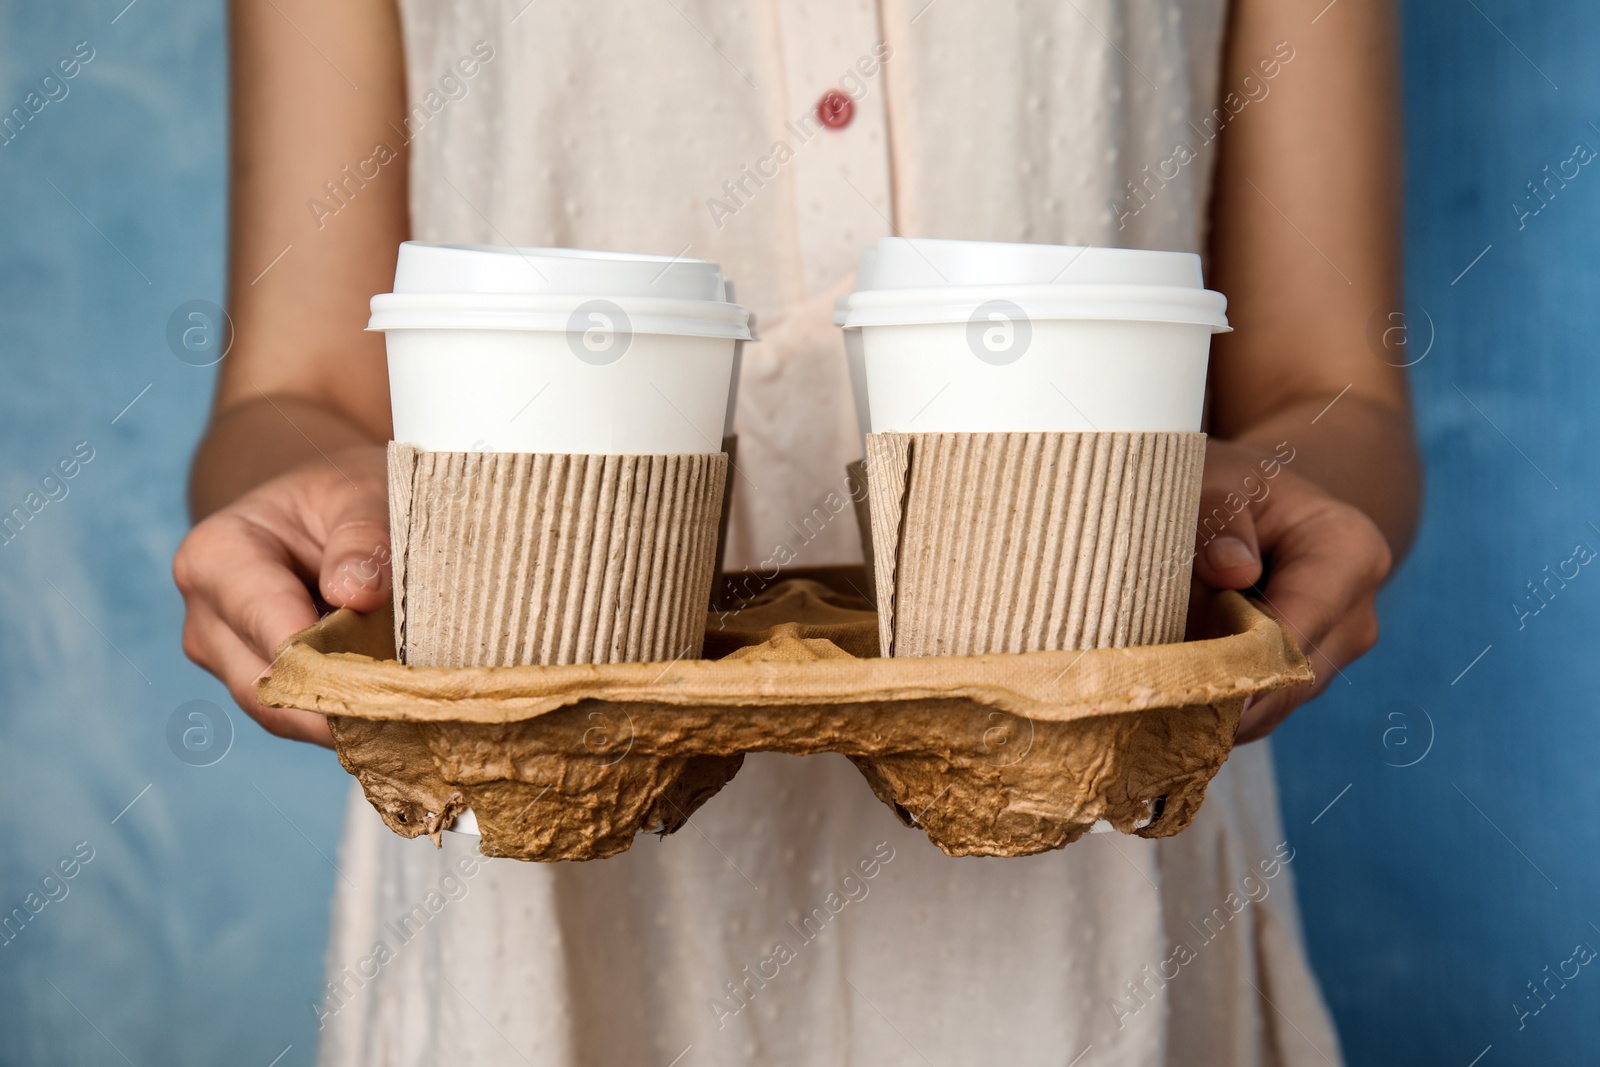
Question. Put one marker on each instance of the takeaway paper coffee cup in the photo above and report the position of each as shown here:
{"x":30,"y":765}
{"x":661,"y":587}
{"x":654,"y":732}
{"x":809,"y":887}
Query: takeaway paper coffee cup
{"x":557,"y":474}
{"x":503,"y":349}
{"x":975,"y":337}
{"x":1035,"y":458}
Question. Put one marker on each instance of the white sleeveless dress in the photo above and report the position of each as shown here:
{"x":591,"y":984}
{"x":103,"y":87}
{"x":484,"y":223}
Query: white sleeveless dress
{"x":794,"y":920}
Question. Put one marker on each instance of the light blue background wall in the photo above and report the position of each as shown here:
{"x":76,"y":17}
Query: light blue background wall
{"x":1433,"y":892}
{"x":194,"y":936}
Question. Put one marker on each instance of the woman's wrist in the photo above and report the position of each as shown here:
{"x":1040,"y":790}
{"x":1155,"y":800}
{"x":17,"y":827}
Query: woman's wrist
{"x":260,"y":438}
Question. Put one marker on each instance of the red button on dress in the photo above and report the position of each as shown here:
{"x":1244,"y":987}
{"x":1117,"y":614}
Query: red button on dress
{"x":835,"y":109}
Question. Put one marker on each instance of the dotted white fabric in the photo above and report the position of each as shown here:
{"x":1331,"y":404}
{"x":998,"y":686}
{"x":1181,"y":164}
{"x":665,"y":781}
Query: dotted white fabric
{"x":757,"y":934}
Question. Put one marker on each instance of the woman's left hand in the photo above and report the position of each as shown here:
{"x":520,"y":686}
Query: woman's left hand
{"x":1323,"y":561}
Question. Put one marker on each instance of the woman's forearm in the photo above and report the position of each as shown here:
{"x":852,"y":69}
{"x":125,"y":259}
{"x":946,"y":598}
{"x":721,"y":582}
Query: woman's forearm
{"x":303,"y":379}
{"x":1305,"y":243}
{"x":255,"y":441}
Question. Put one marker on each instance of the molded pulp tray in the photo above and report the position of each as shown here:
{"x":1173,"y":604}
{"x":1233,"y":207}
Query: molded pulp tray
{"x":992,"y":755}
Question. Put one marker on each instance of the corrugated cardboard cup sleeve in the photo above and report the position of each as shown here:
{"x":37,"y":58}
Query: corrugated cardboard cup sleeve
{"x":1027,"y":542}
{"x":993,"y":755}
{"x":503,"y":559}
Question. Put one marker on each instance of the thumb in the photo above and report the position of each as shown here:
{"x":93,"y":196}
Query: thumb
{"x":356,"y":556}
{"x":1227,"y":552}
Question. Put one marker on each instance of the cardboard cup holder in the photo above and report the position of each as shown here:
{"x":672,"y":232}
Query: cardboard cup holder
{"x":550,"y":665}
{"x":993,"y":755}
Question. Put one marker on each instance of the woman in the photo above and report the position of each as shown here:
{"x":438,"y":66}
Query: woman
{"x":779,"y":138}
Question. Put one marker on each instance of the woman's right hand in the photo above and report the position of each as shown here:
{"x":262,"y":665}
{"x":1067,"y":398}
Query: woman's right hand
{"x":245,"y":572}
{"x":290,"y":481}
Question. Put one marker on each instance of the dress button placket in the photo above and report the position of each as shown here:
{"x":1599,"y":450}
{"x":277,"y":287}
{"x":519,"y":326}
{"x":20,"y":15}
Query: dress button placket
{"x":836,"y":128}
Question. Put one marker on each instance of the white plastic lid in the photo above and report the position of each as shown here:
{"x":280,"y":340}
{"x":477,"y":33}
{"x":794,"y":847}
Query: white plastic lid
{"x":937,"y":281}
{"x":916,"y":263}
{"x":1041,"y":303}
{"x":446,"y":268}
{"x":504,"y":287}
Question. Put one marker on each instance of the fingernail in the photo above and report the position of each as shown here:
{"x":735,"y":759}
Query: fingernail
{"x":1227,"y":553}
{"x":358,"y":574}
